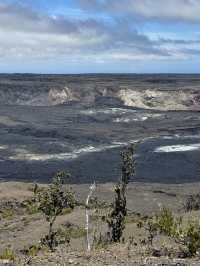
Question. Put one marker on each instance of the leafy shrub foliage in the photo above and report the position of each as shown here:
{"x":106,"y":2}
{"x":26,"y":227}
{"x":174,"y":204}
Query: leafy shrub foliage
{"x":191,"y":237}
{"x":167,"y":223}
{"x":116,"y":219}
{"x":7,"y":254}
{"x":69,"y":231}
{"x":192,"y":203}
{"x":187,"y":234}
{"x":51,"y":202}
{"x":32,"y":250}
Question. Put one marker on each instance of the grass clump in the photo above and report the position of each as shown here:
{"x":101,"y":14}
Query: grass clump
{"x":186,"y":234}
{"x":65,"y":233}
{"x":163,"y":223}
{"x":32,"y":251}
{"x":135,"y":218}
{"x":30,"y":206}
{"x":191,"y":237}
{"x":7,"y":214}
{"x":7,"y":254}
{"x":192,"y":203}
{"x":66,"y":211}
{"x":167,"y":223}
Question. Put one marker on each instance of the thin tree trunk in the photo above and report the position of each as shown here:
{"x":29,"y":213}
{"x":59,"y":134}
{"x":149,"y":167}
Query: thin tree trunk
{"x":92,"y":189}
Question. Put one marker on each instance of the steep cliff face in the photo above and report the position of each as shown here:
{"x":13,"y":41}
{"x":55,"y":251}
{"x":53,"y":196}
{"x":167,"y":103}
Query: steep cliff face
{"x":161,"y":100}
{"x":160,"y":92}
{"x":145,"y":98}
{"x":60,"y":96}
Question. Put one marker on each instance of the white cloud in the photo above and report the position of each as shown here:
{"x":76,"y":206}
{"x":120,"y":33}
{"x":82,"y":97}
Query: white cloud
{"x":29,"y":35}
{"x":180,"y":10}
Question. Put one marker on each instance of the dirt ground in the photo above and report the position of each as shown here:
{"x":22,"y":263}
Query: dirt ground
{"x":20,"y":229}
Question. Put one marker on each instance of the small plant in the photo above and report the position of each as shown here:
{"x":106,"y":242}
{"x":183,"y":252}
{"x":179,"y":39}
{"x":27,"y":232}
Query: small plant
{"x":191,"y":238}
{"x":101,"y":210}
{"x":99,"y":240}
{"x":135,"y":218}
{"x":7,"y":254}
{"x":164,"y":223}
{"x":116,"y":219}
{"x":51,"y":202}
{"x":67,"y":232}
{"x":167,"y":223}
{"x":7,"y":214}
{"x":66,"y":211}
{"x":152,"y":229}
{"x":192,"y":203}
{"x":30,"y":206}
{"x":32,"y":251}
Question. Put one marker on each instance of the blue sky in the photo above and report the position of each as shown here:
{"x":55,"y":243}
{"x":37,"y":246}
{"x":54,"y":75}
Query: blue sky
{"x":105,"y":36}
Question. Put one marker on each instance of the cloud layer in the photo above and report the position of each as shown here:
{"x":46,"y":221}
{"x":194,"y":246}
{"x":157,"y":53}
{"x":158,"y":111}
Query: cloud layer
{"x":170,"y":10}
{"x":113,"y":36}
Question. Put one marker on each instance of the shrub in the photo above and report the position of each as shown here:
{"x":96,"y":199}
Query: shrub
{"x":7,"y":213}
{"x":192,"y":203}
{"x":152,"y":229}
{"x":164,"y":223}
{"x":65,"y":233}
{"x":51,"y":202}
{"x":167,"y":223}
{"x":30,"y":206}
{"x":188,"y":235}
{"x":191,"y":237}
{"x":116,"y":218}
{"x":32,"y":251}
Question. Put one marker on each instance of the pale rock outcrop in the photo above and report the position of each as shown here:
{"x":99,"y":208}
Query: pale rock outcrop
{"x":162,"y":100}
{"x":60,"y":96}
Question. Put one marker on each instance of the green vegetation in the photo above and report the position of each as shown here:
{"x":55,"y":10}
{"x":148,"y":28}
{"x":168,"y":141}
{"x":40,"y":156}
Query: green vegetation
{"x":167,"y":223}
{"x":116,"y":218}
{"x":110,"y":219}
{"x":7,"y":254}
{"x":191,"y":237}
{"x":30,"y":206}
{"x":136,"y":218}
{"x":66,"y":233}
{"x":187,"y":234}
{"x":7,"y":214}
{"x":32,"y":251}
{"x":52,"y":201}
{"x":192,"y":203}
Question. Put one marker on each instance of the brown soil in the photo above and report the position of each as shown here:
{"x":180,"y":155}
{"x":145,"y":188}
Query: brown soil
{"x":19,"y":230}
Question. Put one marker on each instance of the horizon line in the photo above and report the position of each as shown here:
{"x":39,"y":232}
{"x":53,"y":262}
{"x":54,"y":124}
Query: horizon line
{"x":101,"y":73}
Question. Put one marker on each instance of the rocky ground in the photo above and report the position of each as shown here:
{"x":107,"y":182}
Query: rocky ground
{"x":22,"y":227}
{"x":161,"y":92}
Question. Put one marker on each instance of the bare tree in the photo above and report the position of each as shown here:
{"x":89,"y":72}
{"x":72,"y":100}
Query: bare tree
{"x":92,"y":189}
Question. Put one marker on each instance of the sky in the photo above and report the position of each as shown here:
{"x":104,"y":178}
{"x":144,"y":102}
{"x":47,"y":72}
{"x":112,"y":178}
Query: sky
{"x":99,"y":36}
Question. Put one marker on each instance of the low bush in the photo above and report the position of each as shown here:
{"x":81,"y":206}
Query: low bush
{"x":186,"y":234}
{"x":7,"y":254}
{"x":167,"y":223}
{"x":32,"y":251}
{"x":7,"y":214}
{"x":118,"y":213}
{"x":30,"y":206}
{"x":52,"y":201}
{"x":191,"y":237}
{"x":192,"y":203}
{"x":65,"y":233}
